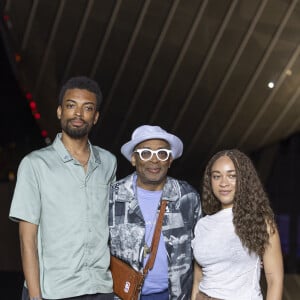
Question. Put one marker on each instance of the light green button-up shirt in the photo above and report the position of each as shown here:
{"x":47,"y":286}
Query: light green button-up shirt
{"x":71,"y":209}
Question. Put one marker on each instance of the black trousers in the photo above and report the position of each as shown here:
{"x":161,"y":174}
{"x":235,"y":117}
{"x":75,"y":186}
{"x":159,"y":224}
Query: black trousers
{"x":109,"y":296}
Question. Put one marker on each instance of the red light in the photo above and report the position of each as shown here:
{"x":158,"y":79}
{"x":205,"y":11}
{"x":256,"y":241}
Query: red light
{"x":28,"y":96}
{"x":6,"y":18}
{"x":18,"y":57}
{"x":37,"y":116}
{"x":32,"y":105}
{"x":44,"y":133}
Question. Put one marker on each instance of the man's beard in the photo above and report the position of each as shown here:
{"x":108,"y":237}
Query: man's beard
{"x":75,"y":132}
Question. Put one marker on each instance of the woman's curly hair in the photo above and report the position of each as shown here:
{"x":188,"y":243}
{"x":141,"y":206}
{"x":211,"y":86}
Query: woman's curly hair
{"x":251,"y":208}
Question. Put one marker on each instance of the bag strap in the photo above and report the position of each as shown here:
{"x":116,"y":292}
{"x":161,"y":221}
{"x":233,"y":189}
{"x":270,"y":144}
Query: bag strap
{"x":156,"y":238}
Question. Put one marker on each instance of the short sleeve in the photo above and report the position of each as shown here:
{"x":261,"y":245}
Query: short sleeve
{"x":26,"y":202}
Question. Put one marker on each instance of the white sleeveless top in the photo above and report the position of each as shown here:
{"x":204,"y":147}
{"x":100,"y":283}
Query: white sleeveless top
{"x":229,"y":271}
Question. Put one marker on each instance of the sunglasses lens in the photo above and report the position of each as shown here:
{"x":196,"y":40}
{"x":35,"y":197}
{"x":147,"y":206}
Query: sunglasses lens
{"x":146,"y":154}
{"x":162,"y":155}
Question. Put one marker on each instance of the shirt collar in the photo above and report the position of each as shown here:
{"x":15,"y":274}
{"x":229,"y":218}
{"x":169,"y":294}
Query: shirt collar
{"x":170,"y":191}
{"x":65,"y":155}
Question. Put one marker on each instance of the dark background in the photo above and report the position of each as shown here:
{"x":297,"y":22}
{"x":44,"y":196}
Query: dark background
{"x":24,"y":78}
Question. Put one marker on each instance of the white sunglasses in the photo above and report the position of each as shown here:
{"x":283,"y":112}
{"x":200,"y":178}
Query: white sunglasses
{"x":146,"y":154}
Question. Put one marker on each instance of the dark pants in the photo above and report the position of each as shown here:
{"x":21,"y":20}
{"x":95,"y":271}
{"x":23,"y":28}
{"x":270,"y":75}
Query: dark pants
{"x":110,"y":296}
{"x":158,"y":296}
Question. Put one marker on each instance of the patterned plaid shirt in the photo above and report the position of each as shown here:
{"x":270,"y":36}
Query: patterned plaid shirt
{"x":127,"y":229}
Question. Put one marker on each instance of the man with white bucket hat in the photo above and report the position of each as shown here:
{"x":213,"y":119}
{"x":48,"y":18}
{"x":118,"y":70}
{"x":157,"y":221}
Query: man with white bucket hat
{"x":134,"y":205}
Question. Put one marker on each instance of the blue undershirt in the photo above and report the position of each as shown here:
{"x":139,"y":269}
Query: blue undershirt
{"x":157,"y":279}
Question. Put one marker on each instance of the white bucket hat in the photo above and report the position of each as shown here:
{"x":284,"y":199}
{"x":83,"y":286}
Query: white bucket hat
{"x":148,"y":132}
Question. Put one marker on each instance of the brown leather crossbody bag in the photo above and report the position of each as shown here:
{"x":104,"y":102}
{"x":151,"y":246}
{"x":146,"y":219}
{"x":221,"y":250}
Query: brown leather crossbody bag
{"x":127,"y":282}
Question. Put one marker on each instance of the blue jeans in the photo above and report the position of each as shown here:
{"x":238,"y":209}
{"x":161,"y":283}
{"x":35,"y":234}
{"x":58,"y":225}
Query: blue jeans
{"x":110,"y":296}
{"x":158,"y":296}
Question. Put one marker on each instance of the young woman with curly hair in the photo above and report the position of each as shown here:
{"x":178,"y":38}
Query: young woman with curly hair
{"x":237,"y":234}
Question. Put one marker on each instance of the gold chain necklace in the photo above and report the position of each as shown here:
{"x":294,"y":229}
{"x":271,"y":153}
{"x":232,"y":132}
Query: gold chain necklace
{"x":146,"y":247}
{"x":83,"y":164}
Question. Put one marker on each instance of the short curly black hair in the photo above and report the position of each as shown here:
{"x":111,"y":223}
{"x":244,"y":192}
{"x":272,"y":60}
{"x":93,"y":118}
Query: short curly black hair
{"x":83,"y":83}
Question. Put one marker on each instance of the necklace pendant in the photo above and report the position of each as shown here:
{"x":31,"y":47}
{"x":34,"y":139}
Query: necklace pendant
{"x":147,"y":250}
